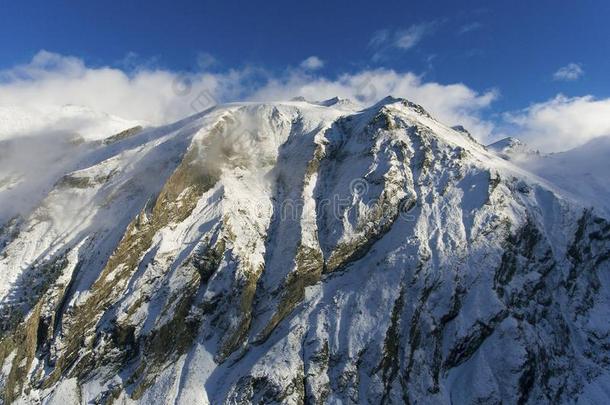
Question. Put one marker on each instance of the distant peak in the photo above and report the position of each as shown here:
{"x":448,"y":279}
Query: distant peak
{"x":331,"y":102}
{"x":334,"y":101}
{"x":460,"y":128}
{"x":506,"y":143}
{"x":508,"y":146}
{"x":390,"y":100}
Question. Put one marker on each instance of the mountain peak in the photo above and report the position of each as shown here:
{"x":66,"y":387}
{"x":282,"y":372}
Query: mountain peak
{"x":336,"y":102}
{"x":510,"y":146}
{"x":391,"y":100}
{"x":460,"y":128}
{"x":508,"y":142}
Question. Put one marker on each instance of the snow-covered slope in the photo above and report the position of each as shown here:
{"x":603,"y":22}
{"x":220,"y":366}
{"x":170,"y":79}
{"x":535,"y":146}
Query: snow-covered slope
{"x":303,"y":252}
{"x":37,"y":147}
{"x":582,"y":172}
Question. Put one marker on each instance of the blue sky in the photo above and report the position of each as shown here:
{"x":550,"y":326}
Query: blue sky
{"x":517,"y":49}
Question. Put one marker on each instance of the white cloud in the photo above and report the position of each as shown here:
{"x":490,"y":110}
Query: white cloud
{"x":407,"y":39}
{"x":312,"y":63}
{"x":384,"y":41}
{"x":474,"y":26}
{"x":379,"y":38}
{"x":152,"y":95}
{"x":562,"y":123}
{"x":161,"y":96}
{"x":206,"y":60}
{"x":571,"y":71}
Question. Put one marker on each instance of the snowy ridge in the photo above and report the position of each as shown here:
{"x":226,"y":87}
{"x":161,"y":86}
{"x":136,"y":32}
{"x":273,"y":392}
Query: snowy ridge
{"x":302,"y":252}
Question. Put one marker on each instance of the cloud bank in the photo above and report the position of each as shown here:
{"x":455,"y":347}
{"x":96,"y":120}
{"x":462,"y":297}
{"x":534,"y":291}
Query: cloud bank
{"x":143,"y":94}
{"x":160,"y":96}
{"x":562,"y":123}
{"x":157,"y":96}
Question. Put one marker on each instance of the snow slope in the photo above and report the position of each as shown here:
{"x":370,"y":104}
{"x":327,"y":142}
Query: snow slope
{"x":301,"y":252}
{"x":582,"y":172}
{"x":38,"y":147}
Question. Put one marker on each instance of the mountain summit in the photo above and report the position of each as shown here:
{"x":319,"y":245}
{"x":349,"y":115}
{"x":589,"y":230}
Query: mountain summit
{"x":302,"y":252}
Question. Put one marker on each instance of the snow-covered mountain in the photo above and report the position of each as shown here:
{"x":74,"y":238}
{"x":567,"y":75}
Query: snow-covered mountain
{"x":302,"y":252}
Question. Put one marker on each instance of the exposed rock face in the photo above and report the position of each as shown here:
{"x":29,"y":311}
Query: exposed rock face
{"x":304,"y":253}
